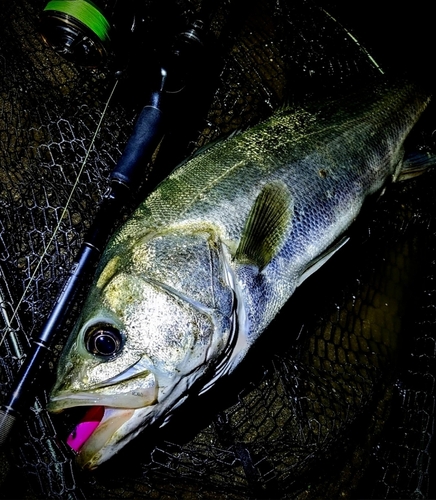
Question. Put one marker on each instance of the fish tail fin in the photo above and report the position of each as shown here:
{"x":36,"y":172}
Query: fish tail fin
{"x":414,"y":164}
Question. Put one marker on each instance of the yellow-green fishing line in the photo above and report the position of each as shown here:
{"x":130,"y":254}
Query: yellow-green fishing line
{"x":84,"y":12}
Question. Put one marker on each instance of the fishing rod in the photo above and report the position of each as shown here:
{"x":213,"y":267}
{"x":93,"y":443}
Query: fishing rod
{"x":127,"y":174}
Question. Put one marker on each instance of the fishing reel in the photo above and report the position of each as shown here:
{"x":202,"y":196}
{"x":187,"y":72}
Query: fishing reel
{"x":84,"y":32}
{"x":118,"y":34}
{"x":92,"y":33}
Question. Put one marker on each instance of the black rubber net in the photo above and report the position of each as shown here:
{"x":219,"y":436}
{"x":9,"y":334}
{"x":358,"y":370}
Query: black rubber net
{"x":337,"y":398}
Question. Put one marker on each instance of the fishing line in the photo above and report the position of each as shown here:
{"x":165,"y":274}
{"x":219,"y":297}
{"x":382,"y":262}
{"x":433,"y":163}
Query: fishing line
{"x":63,"y":214}
{"x":361,"y":47}
{"x":7,"y":321}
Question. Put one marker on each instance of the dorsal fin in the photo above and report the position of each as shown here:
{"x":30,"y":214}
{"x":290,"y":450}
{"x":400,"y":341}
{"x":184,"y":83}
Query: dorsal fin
{"x":266,"y":225}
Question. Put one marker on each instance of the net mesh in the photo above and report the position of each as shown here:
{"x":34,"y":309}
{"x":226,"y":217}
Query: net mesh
{"x":337,"y":398}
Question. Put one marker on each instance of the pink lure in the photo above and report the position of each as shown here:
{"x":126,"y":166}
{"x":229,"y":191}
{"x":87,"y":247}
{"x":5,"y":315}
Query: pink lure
{"x":83,"y":430}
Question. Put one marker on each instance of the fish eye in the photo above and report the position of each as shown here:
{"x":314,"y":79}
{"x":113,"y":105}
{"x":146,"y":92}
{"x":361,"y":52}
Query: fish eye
{"x":103,"y":340}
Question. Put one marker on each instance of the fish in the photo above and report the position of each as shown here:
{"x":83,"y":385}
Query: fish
{"x":192,"y":279}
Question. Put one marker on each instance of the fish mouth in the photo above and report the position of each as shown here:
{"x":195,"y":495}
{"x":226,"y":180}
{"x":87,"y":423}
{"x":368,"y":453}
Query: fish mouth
{"x":97,"y":428}
{"x":99,"y":432}
{"x":107,"y":419}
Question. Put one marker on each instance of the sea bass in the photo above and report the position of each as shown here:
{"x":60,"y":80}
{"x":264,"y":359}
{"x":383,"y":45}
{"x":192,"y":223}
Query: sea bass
{"x":206,"y":262}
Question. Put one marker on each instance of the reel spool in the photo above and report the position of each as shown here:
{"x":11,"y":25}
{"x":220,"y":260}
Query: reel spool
{"x":78,"y":30}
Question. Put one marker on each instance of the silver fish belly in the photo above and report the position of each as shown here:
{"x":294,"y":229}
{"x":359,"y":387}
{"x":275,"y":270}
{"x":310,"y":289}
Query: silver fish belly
{"x":205,"y":263}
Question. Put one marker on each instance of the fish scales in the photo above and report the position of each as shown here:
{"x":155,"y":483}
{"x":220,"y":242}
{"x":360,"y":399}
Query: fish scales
{"x":319,"y":158}
{"x":205,"y":263}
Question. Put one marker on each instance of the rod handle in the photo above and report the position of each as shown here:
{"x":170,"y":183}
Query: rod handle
{"x":146,"y":135}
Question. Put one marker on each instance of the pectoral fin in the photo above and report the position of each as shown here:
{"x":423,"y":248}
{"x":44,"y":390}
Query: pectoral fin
{"x":266,"y":225}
